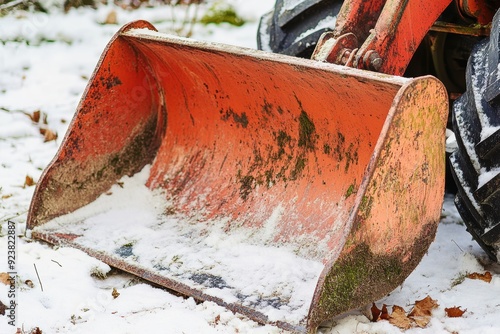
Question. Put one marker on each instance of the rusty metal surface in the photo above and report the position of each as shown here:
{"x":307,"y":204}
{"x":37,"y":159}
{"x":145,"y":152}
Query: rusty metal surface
{"x":477,"y":30}
{"x":397,"y":213}
{"x":355,"y":159}
{"x":104,"y":142}
{"x":388,"y":32}
{"x":480,"y":10}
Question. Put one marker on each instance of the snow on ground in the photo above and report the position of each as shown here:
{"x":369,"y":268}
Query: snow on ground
{"x":45,"y":63}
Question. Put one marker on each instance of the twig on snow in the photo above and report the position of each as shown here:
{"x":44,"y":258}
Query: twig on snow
{"x":39,"y":281}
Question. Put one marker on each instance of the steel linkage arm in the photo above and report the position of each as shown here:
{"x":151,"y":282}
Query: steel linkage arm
{"x":389,"y":31}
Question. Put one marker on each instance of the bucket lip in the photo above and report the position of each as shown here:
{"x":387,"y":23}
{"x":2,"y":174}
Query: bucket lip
{"x":144,"y":34}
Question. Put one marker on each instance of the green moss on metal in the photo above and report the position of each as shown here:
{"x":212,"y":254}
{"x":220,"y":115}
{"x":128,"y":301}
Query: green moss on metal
{"x":282,"y":140}
{"x":358,"y":278}
{"x":307,"y":132}
{"x":269,"y":175}
{"x":351,"y":156}
{"x":339,"y":148}
{"x":344,"y":280}
{"x":365,"y":207}
{"x":300,"y":164}
{"x":247,"y":183}
{"x":351,"y":190}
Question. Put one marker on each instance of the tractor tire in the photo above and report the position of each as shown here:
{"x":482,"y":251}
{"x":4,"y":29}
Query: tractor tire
{"x":294,"y":27}
{"x":475,"y":164}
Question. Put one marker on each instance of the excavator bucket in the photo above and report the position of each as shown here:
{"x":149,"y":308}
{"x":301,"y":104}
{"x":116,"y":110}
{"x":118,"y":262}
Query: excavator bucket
{"x":285,"y":189}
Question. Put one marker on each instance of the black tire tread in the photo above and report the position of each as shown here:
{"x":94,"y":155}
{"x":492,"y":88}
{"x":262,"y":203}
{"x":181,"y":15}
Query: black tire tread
{"x":295,"y":31}
{"x":478,"y":201}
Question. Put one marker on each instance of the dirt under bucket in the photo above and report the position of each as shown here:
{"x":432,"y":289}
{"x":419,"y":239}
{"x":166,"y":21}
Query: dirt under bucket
{"x":285,"y":189}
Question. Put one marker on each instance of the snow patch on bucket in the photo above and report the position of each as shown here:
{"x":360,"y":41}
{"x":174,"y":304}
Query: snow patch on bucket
{"x":134,"y":224}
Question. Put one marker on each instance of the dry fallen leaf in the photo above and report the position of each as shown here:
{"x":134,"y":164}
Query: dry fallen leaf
{"x":115,"y":293}
{"x":48,"y":134}
{"x":422,"y":311}
{"x":385,"y":314}
{"x":399,"y":319}
{"x":5,"y":278}
{"x":375,"y":312}
{"x":35,"y":116}
{"x":419,"y":316}
{"x":484,"y":277}
{"x":454,"y":312}
{"x":3,"y":307}
{"x":28,"y":182}
{"x":37,"y":330}
{"x":111,"y":18}
{"x":421,"y":322}
{"x":423,"y":307}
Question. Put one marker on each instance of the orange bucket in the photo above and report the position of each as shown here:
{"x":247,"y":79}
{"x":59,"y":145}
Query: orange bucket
{"x":285,"y":189}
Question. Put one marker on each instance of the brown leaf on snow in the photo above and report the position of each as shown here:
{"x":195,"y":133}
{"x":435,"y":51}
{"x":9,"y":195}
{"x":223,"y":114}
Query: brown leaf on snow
{"x":48,"y":134}
{"x":35,"y":116}
{"x":454,"y":312}
{"x":5,"y":278}
{"x":385,"y":314}
{"x":423,"y":307}
{"x":419,"y":316}
{"x":422,"y":311}
{"x":379,"y":314}
{"x":399,"y":319}
{"x":28,"y":182}
{"x":115,"y":293}
{"x":111,"y":18}
{"x":421,"y":322}
{"x":3,"y":307}
{"x":375,"y":312}
{"x":36,"y":330}
{"x":484,"y":277}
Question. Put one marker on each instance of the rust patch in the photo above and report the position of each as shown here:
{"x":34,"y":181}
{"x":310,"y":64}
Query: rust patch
{"x":109,"y":81}
{"x":327,"y":149}
{"x":339,"y":148}
{"x":67,"y":236}
{"x":267,"y":108}
{"x":282,"y":140}
{"x":73,"y":183}
{"x":351,"y":155}
{"x":239,"y":119}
